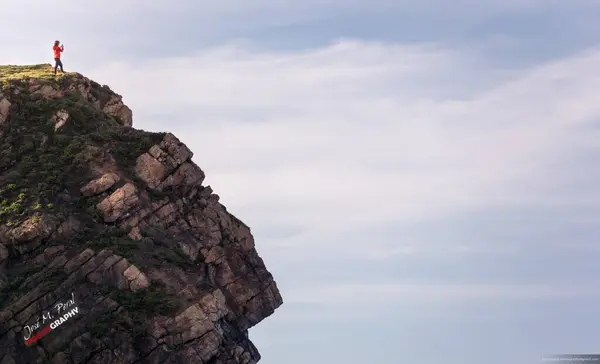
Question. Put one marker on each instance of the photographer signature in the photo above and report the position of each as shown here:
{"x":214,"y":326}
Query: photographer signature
{"x":61,"y":312}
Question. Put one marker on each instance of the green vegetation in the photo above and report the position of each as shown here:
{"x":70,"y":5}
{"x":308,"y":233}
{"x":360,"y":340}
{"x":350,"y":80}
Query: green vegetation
{"x":109,"y":238}
{"x":174,"y":256}
{"x":37,"y":177}
{"x":10,"y":208}
{"x":141,"y":253}
{"x":103,"y":324}
{"x":126,"y":144}
{"x":145,"y":303}
{"x":42,"y":170}
{"x":55,"y":278}
{"x":16,"y":281}
{"x":140,"y":306}
{"x":123,"y":246}
{"x":21,"y":281}
{"x":37,"y":71}
{"x":36,"y":163}
{"x":39,"y":162}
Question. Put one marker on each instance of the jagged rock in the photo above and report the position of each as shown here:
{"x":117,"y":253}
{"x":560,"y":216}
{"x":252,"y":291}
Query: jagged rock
{"x":100,"y":184}
{"x":150,"y":170}
{"x":135,"y":278}
{"x":173,"y":148}
{"x":119,"y":202}
{"x":101,"y":97}
{"x":3,"y":253}
{"x":48,"y":92}
{"x":188,"y":175}
{"x":115,"y":107}
{"x":162,"y":159}
{"x":61,"y":358}
{"x":60,"y":118}
{"x":69,"y":227}
{"x":117,"y":221}
{"x":104,"y":99}
{"x":35,"y":228}
{"x":4,"y":109}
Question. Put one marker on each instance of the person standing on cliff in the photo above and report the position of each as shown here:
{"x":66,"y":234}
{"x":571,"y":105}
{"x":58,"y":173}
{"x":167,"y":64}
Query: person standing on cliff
{"x":57,"y":51}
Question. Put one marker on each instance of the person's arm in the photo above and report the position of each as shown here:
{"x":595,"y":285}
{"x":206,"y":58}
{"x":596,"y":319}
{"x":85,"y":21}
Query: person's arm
{"x":62,"y":48}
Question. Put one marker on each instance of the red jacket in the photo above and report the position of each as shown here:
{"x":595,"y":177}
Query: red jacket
{"x":57,"y":50}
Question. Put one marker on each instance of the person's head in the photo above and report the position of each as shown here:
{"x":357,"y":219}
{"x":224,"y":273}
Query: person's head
{"x":56,"y":42}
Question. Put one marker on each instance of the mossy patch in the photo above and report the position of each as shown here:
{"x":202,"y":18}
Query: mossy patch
{"x":145,"y":253}
{"x":147,"y":303}
{"x":126,"y":144}
{"x":36,"y":161}
{"x":37,"y":71}
{"x":16,"y":281}
{"x":174,"y":256}
{"x":22,"y":280}
{"x":36,"y":177}
{"x":140,"y":307}
{"x":109,"y":238}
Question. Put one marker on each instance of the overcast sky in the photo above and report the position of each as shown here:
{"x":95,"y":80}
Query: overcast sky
{"x":421,"y":180}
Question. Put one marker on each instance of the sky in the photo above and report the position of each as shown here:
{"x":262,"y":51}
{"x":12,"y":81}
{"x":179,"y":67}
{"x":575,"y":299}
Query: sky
{"x":421,"y":179}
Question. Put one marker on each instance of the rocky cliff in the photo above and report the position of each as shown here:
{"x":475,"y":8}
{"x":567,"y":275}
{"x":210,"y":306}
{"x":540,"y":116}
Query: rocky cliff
{"x":111,"y":248}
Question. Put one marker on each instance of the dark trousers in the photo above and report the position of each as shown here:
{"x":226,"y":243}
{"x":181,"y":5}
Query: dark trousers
{"x":58,"y":64}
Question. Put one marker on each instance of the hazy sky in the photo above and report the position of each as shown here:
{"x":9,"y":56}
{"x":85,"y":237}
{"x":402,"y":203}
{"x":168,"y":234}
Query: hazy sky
{"x":421,"y":179}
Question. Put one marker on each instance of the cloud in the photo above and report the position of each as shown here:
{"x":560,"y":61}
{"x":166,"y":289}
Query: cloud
{"x":369,"y":296}
{"x":363,"y":302}
{"x":363,"y":133}
{"x":211,"y":8}
{"x":321,"y":150}
{"x":97,"y":32}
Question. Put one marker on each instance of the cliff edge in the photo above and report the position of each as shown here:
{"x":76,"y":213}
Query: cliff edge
{"x":111,"y":249}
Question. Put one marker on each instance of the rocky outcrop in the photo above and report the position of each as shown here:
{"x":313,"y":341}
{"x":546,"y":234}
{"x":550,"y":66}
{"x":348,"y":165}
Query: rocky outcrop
{"x":100,"y":184}
{"x":114,"y":241}
{"x":60,"y":118}
{"x":101,"y":97}
{"x":4,"y":109}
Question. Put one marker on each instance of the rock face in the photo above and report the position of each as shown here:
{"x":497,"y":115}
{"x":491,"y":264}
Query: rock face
{"x":4,"y":109}
{"x":111,"y":248}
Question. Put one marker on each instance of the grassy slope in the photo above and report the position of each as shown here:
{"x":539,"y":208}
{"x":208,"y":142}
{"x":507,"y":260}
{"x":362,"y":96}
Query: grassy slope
{"x":40,"y":71}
